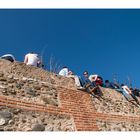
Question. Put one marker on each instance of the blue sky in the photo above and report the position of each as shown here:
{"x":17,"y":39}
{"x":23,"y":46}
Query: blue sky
{"x":105,"y":42}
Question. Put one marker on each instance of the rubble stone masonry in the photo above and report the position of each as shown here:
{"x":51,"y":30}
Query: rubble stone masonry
{"x":32,"y":99}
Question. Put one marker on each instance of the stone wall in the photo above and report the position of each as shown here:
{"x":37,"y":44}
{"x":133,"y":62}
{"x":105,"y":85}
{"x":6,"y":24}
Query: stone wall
{"x":114,"y":102}
{"x":18,"y":69}
{"x":28,"y":89}
{"x":32,"y":99}
{"x":115,"y":113}
{"x":118,"y":126}
{"x":21,"y":120}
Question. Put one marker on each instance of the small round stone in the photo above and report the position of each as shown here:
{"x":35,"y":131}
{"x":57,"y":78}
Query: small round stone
{"x":2,"y":121}
{"x":38,"y":127}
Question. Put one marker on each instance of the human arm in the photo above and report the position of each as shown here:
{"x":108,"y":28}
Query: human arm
{"x":66,"y":71}
{"x":93,"y":77}
{"x":129,"y":91}
{"x":26,"y":59}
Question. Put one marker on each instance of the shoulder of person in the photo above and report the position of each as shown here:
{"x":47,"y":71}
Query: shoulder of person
{"x":27,"y":54}
{"x":66,"y":69}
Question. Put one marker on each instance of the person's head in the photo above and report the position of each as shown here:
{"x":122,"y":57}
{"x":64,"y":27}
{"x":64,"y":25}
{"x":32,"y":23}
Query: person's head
{"x":34,"y":54}
{"x":106,"y":81}
{"x":99,"y":78}
{"x":122,"y":85}
{"x":85,"y":73}
{"x":65,"y":67}
{"x":131,"y":89}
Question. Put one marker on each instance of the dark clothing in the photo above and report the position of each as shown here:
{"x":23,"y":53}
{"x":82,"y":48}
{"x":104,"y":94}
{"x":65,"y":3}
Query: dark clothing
{"x":89,"y":86}
{"x":135,"y":98}
{"x":109,"y":85}
{"x":84,"y":81}
{"x":99,"y":81}
{"x":136,"y":92}
{"x":112,"y":85}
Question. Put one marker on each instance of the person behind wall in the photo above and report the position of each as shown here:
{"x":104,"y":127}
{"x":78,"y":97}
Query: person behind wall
{"x":32,"y":59}
{"x":99,"y":81}
{"x":64,"y":71}
{"x":93,"y":77}
{"x":76,"y":78}
{"x":96,"y":79}
{"x":127,"y":93}
{"x":111,"y":85}
{"x":85,"y":79}
{"x":135,"y":91}
{"x":8,"y":57}
{"x":86,"y":82}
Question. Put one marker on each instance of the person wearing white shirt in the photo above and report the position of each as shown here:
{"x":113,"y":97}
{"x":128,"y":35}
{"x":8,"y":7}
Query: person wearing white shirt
{"x":127,"y":92}
{"x":32,"y":59}
{"x":76,"y":78}
{"x":93,"y":77}
{"x":126,"y":89}
{"x":64,"y":71}
{"x":8,"y":57}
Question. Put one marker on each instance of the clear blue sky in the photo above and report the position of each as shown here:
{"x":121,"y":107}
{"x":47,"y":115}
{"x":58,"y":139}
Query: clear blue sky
{"x":105,"y":42}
